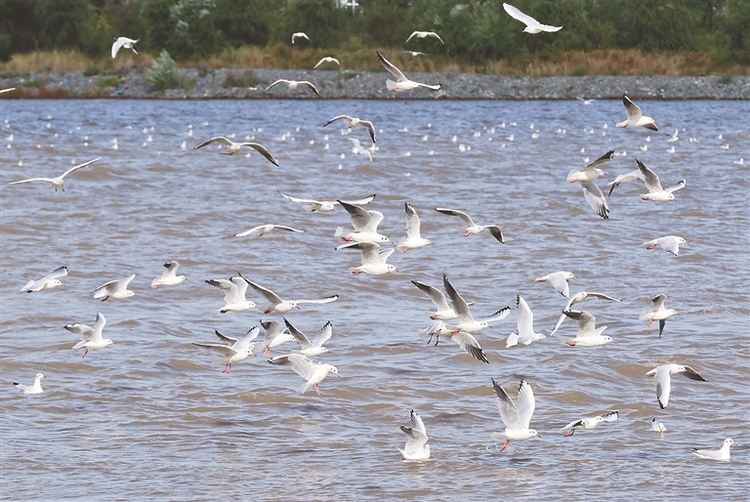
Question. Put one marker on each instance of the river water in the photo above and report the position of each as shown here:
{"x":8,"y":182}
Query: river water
{"x":153,"y":417}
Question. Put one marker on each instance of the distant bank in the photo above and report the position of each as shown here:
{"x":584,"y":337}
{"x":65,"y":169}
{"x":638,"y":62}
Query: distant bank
{"x":250,"y":84}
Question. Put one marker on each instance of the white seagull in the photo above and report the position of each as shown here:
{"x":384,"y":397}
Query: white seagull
{"x":635,"y":118}
{"x":233,"y":147}
{"x":414,"y":237}
{"x":313,"y":373}
{"x":414,"y":53}
{"x":402,"y":83}
{"x":299,"y":34}
{"x":589,"y":423}
{"x":625,"y":178}
{"x":358,"y":149}
{"x":444,"y":311}
{"x":720,"y":454}
{"x":669,"y":243}
{"x":532,"y":25}
{"x":590,"y":172}
{"x":578,"y":298}
{"x":525,"y":334}
{"x":466,"y":321}
{"x":655,"y":190}
{"x":662,"y":377}
{"x":464,"y":339}
{"x":92,"y":337}
{"x":365,"y":225}
{"x":588,"y":334}
{"x":516,"y":416}
{"x":315,"y":347}
{"x":36,"y":388}
{"x":169,"y":277}
{"x":328,"y":59}
{"x":292,"y":85}
{"x":278,"y":304}
{"x":49,"y":281}
{"x":324,"y":206}
{"x":3,"y":91}
{"x":274,"y":337}
{"x":117,"y":289}
{"x":57,"y":183}
{"x":261,"y":230}
{"x":657,"y":312}
{"x":471,"y":227}
{"x":234,"y":294}
{"x":352,"y":122}
{"x":121,"y":42}
{"x":657,"y":426}
{"x":416,"y":447}
{"x":234,"y":350}
{"x":374,"y":260}
{"x":559,"y":281}
{"x":424,"y":34}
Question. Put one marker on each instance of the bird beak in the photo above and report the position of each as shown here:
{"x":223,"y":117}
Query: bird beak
{"x":676,"y":313}
{"x":114,"y":343}
{"x":538,"y":435}
{"x":297,"y":307}
{"x":46,"y":377}
{"x":733,"y":443}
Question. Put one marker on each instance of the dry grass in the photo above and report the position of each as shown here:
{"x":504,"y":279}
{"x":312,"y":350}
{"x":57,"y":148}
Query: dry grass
{"x":356,"y":57}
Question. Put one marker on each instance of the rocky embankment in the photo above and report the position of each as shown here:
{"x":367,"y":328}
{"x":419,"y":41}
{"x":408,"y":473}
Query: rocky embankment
{"x":250,"y":84}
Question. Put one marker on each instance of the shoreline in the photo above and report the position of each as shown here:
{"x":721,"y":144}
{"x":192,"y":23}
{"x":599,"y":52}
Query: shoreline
{"x":349,"y":84}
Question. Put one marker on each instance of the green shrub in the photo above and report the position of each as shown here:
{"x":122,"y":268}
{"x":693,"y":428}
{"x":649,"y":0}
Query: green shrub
{"x":163,"y":74}
{"x":91,"y":71}
{"x":246,"y":79}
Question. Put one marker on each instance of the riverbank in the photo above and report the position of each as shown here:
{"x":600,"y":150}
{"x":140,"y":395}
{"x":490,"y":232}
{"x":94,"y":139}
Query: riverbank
{"x":251,"y":84}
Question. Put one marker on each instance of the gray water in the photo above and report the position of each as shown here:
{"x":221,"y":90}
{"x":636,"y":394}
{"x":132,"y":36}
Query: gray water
{"x":153,"y":417}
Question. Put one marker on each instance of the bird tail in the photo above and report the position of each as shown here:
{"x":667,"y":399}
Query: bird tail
{"x":339,"y":232}
{"x":391,"y":85}
{"x":622,"y":124}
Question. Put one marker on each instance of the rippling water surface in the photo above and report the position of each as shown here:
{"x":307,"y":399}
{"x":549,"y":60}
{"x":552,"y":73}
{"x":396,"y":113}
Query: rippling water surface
{"x":154,"y":417}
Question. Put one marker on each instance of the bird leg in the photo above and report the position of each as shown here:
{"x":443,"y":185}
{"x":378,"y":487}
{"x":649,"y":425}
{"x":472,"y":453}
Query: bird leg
{"x":85,"y":351}
{"x":570,"y":433}
{"x":505,"y":445}
{"x":267,"y":352}
{"x":317,"y":390}
{"x":437,"y":340}
{"x":105,"y":298}
{"x":652,"y":246}
{"x":356,"y":272}
{"x":650,"y":322}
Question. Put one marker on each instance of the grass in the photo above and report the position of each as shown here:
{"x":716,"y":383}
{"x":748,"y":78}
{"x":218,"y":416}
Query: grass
{"x":244,"y":79}
{"x":356,"y":57}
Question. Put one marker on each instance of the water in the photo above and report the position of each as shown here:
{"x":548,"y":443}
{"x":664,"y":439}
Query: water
{"x":154,"y":417}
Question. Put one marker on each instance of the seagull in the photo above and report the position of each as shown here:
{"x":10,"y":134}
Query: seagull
{"x":595,"y":198}
{"x":657,"y":426}
{"x":414,"y":237}
{"x":402,"y":83}
{"x":635,"y":118}
{"x":328,"y":59}
{"x":516,"y":416}
{"x":466,"y":321}
{"x":314,"y":373}
{"x":655,"y":191}
{"x":588,"y":334}
{"x":590,"y":172}
{"x":365,"y":225}
{"x":424,"y":34}
{"x":559,"y":281}
{"x":92,"y":337}
{"x":373,"y":258}
{"x":720,"y":454}
{"x":657,"y":312}
{"x":125,"y":42}
{"x":578,"y":298}
{"x":674,"y":136}
{"x":359,"y":149}
{"x":274,"y":337}
{"x":525,"y":334}
{"x":586,"y":101}
{"x":325,"y":206}
{"x":670,"y":243}
{"x":49,"y":281}
{"x":234,"y":350}
{"x":169,"y":277}
{"x":472,"y":228}
{"x":464,"y":339}
{"x":416,"y":447}
{"x":233,"y":147}
{"x":352,"y":122}
{"x":625,"y":178}
{"x":315,"y":347}
{"x":532,"y":25}
{"x":3,"y":91}
{"x":662,"y":377}
{"x":280,"y":305}
{"x":299,"y":34}
{"x":36,"y":388}
{"x":264,"y":229}
{"x":57,"y":183}
{"x":234,"y":294}
{"x":444,"y":311}
{"x":414,"y":53}
{"x":117,"y":289}
{"x":590,"y":422}
{"x":292,"y":85}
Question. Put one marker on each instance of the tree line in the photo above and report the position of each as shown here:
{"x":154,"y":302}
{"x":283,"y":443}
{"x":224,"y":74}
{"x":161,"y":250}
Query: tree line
{"x":473,"y":30}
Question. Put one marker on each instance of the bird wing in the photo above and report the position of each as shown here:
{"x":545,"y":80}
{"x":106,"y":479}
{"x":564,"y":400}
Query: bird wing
{"x":508,"y":410}
{"x":289,"y":229}
{"x":496,"y":232}
{"x":411,"y":36}
{"x":297,"y":199}
{"x":106,"y":289}
{"x":370,"y":127}
{"x":279,"y":81}
{"x":361,"y":219}
{"x":392,"y":68}
{"x":383,"y":254}
{"x":124,"y":282}
{"x":224,"y":338}
{"x":611,"y":416}
{"x":433,"y":34}
{"x":231,"y":294}
{"x":412,"y":221}
{"x":693,"y":375}
{"x":455,"y":212}
{"x":586,"y":322}
{"x":79,"y":166}
{"x":663,"y":386}
{"x":339,"y":117}
{"x":80,"y":329}
{"x":525,"y":319}
{"x":437,"y":296}
{"x":459,"y":304}
{"x":650,"y":178}
{"x":525,"y":403}
{"x":218,"y":139}
{"x":224,"y":349}
{"x":595,"y":198}
{"x":633,"y":110}
{"x":370,"y":252}
{"x":117,"y":45}
{"x":301,"y":338}
{"x":324,"y":334}
{"x":300,"y":364}
{"x":311,"y":86}
{"x":602,"y":296}
{"x":676,"y":187}
{"x":516,"y":14}
{"x":250,"y":231}
{"x":58,"y":272}
{"x":657,"y":303}
{"x":270,"y":295}
{"x":327,"y":299}
{"x":50,"y":180}
{"x":263,"y":151}
{"x":467,"y":342}
{"x":365,"y":200}
{"x":601,"y":160}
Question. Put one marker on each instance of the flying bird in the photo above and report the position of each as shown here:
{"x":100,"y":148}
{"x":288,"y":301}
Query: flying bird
{"x":57,"y":183}
{"x":169,"y":277}
{"x":589,"y":423}
{"x":559,"y":281}
{"x":414,"y":53}
{"x":591,"y":171}
{"x":315,"y":347}
{"x":525,"y":333}
{"x":299,"y":34}
{"x":120,"y":42}
{"x":324,"y":206}
{"x":365,"y":225}
{"x":232,"y":349}
{"x":352,"y":122}
{"x":532,"y":25}
{"x":465,"y":340}
{"x":233,"y":147}
{"x":635,"y":117}
{"x":117,"y":289}
{"x":359,"y":149}
{"x":471,"y":227}
{"x":373,"y":258}
{"x":416,"y":447}
{"x":588,"y":334}
{"x":49,"y":281}
{"x":328,"y":59}
{"x":92,"y":337}
{"x":261,"y":230}
{"x":657,"y":312}
{"x":655,"y":190}
{"x":516,"y":416}
{"x":278,"y":304}
{"x":663,"y":377}
{"x":402,"y":83}
{"x":292,"y":85}
{"x":414,"y":237}
{"x":466,"y":321}
{"x":313,"y":373}
{"x":669,"y":243}
{"x":424,"y":34}
{"x":578,"y":298}
{"x":234,"y":294}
